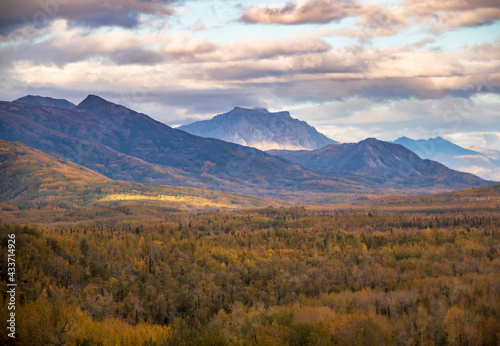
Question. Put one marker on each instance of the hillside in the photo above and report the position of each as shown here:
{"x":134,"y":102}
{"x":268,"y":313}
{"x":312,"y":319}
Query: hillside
{"x":383,"y":162}
{"x":260,"y":129}
{"x":33,"y":179}
{"x":454,"y":156}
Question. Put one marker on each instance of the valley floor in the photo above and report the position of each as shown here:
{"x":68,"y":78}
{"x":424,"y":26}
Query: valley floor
{"x":393,"y":272}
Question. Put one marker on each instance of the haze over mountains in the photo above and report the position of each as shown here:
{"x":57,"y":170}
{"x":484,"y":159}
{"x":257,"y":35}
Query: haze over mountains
{"x":122,"y":144}
{"x":260,"y":129}
{"x":479,"y":161}
{"x":489,"y":153}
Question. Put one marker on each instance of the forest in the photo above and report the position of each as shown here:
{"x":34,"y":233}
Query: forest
{"x":385,"y":273}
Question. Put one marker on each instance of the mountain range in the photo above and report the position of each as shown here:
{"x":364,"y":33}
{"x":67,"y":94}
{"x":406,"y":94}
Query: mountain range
{"x":260,"y":129}
{"x":126,"y":145}
{"x":264,"y":130}
{"x":479,"y":161}
{"x":122,"y":144}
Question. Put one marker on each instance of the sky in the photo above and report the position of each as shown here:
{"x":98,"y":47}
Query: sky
{"x":351,"y":68}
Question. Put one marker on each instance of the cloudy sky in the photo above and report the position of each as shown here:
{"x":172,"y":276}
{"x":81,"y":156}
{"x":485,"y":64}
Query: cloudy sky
{"x":352,"y":68}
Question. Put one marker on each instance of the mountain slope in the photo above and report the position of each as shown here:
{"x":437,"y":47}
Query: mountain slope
{"x":123,"y":144}
{"x":382,"y":162}
{"x":26,"y":174}
{"x":92,"y":154}
{"x":453,"y":156}
{"x":45,"y":101}
{"x":34,"y":179}
{"x":260,"y":129}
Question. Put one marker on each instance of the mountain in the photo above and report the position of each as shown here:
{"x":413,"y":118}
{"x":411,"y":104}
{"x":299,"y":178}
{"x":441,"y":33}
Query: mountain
{"x":23,"y":123}
{"x":383,"y":162}
{"x":260,"y":129}
{"x":429,"y":147}
{"x":454,"y":156}
{"x":33,"y":179}
{"x":45,"y":101}
{"x":123,"y":144}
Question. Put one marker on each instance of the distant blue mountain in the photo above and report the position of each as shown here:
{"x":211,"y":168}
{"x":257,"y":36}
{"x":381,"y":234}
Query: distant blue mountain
{"x":426,"y":148}
{"x":453,"y":156}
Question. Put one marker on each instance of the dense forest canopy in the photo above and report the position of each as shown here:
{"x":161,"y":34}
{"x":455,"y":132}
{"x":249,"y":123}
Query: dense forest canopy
{"x":372,"y":274}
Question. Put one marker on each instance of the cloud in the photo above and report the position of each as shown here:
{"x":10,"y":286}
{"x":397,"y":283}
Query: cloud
{"x":374,"y":20}
{"x":246,"y":72}
{"x":377,"y":21}
{"x":373,"y":16}
{"x":259,"y":48}
{"x":425,"y":7}
{"x":179,"y":47}
{"x":198,"y":26}
{"x":491,"y":139}
{"x":422,"y":43}
{"x":301,"y":12}
{"x":136,"y":56}
{"x":476,"y":17}
{"x":375,"y":73}
{"x":357,"y":118}
{"x":90,"y":13}
{"x":301,"y":69}
{"x":55,"y":44}
{"x":446,"y":14}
